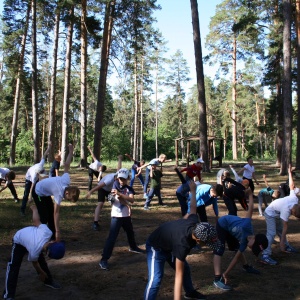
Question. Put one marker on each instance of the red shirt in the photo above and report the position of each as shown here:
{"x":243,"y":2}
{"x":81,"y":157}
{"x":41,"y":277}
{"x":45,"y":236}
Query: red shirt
{"x":193,"y":171}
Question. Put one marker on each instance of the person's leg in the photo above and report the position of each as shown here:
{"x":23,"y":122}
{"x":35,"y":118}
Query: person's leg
{"x":44,"y":266}
{"x":231,"y":206}
{"x":13,"y":191}
{"x":101,"y":199}
{"x":201,"y":211}
{"x":141,"y":179}
{"x":28,"y":184}
{"x":115,"y":226}
{"x":158,"y":194}
{"x":12,"y":271}
{"x":149,"y":198}
{"x":147,"y":179}
{"x":183,"y":203}
{"x":91,"y":174}
{"x":49,"y":211}
{"x":271,"y":232}
{"x":156,"y":262}
{"x":260,"y":201}
{"x":133,"y":173}
{"x":128,"y":228}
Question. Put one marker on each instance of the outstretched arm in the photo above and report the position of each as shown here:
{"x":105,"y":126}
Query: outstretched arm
{"x":92,"y":153}
{"x":291,"y":180}
{"x":35,"y":216}
{"x":129,"y":156}
{"x":47,"y":150}
{"x":69,"y":159}
{"x":265,"y":180}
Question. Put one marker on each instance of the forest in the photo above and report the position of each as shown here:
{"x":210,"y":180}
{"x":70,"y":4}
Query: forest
{"x":95,"y":72}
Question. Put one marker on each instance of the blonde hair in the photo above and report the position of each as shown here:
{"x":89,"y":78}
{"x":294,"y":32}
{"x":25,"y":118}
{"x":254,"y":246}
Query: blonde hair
{"x":162,"y":157}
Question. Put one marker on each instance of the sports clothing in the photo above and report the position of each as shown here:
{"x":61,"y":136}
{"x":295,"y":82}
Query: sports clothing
{"x":192,"y":171}
{"x":155,"y":187}
{"x":55,"y":166}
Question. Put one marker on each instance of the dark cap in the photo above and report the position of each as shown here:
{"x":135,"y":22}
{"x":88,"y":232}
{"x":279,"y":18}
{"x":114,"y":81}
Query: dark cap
{"x":260,"y":244}
{"x":208,"y":234}
{"x":56,"y":250}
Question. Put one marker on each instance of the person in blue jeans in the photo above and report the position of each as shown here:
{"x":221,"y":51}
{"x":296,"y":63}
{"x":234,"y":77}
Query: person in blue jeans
{"x":171,"y":242}
{"x":134,"y":172}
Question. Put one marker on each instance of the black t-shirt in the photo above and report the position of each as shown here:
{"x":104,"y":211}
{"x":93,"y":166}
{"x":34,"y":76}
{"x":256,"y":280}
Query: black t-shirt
{"x":235,"y":191}
{"x":55,"y":166}
{"x":175,"y":237}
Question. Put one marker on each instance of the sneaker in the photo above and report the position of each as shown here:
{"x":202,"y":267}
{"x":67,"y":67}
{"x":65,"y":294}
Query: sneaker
{"x":146,"y":208}
{"x":194,"y":295}
{"x":17,"y":200}
{"x":136,"y":250}
{"x":103,"y":264}
{"x":96,"y":226}
{"x":163,"y":204}
{"x":250,"y":269}
{"x":52,"y":284}
{"x":266,"y":259}
{"x":145,"y":196}
{"x":221,"y":285}
{"x":290,"y":249}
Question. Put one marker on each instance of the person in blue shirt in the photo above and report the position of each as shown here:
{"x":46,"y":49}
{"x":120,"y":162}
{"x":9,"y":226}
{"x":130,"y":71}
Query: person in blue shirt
{"x":206,"y":194}
{"x":238,"y":234}
{"x":265,"y":195}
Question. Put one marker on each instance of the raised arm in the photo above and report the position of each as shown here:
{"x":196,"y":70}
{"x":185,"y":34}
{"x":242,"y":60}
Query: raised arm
{"x":69,"y":159}
{"x":92,"y":153}
{"x":291,"y":180}
{"x":193,"y":204}
{"x":129,"y":156}
{"x":47,"y":150}
{"x":265,"y":180}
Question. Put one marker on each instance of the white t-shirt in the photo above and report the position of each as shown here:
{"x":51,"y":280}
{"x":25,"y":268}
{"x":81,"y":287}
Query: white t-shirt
{"x":53,"y":186}
{"x":33,"y":239}
{"x":108,"y":180}
{"x":95,"y":165}
{"x":32,"y":173}
{"x":152,"y":162}
{"x":3,"y":172}
{"x":282,"y":207}
{"x":249,"y":170}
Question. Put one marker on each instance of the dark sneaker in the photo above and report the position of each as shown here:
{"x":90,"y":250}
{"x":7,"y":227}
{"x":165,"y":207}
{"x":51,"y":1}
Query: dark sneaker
{"x":250,"y":269}
{"x":136,"y":250}
{"x":221,"y":285}
{"x":266,"y":259}
{"x":96,"y":226}
{"x":194,"y":295}
{"x":103,"y":264}
{"x":163,"y":204}
{"x":52,"y":284}
{"x":290,"y":249}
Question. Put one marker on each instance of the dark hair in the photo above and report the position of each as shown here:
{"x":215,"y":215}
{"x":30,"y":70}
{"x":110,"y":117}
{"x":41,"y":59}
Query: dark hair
{"x":11,"y":175}
{"x":73,"y":193}
{"x":103,"y":169}
{"x":249,"y":157}
{"x":219,"y":189}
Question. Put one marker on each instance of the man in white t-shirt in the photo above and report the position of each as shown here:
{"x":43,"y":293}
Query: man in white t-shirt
{"x":58,"y":187}
{"x":31,"y":178}
{"x":277,"y":216}
{"x":32,"y":240}
{"x":7,"y":176}
{"x":249,"y":173}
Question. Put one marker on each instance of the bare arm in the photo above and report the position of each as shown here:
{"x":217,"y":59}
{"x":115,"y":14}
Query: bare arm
{"x":178,"y":278}
{"x":233,"y":262}
{"x":56,"y":221}
{"x":193,"y":205}
{"x":47,"y":150}
{"x":249,"y":194}
{"x":35,"y":216}
{"x":291,"y":180}
{"x":39,"y":270}
{"x":92,"y":153}
{"x":96,"y":188}
{"x":129,"y":156}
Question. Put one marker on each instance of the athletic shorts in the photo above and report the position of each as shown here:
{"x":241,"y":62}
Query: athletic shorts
{"x":102,"y":194}
{"x":225,"y":236}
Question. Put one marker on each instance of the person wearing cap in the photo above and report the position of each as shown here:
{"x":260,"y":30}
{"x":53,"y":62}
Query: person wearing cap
{"x":277,"y":215}
{"x":123,"y":198}
{"x":96,"y":168}
{"x":249,"y":173}
{"x":33,"y":240}
{"x":155,"y":185}
{"x":160,"y":160}
{"x":238,"y":234}
{"x":58,"y":187}
{"x":194,"y":170}
{"x":171,"y":242}
{"x":103,"y":187}
{"x":31,"y":178}
{"x":234,"y":190}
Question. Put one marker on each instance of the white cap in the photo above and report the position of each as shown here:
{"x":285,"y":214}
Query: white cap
{"x":123,"y":173}
{"x":200,"y":160}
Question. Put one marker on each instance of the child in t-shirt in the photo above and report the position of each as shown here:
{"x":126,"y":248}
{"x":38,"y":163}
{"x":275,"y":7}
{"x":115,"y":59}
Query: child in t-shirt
{"x":123,"y":198}
{"x":155,"y":185}
{"x":194,"y":170}
{"x":53,"y":172}
{"x":266,"y":195}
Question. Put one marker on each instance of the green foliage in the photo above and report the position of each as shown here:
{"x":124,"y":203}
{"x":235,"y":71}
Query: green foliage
{"x":24,"y":148}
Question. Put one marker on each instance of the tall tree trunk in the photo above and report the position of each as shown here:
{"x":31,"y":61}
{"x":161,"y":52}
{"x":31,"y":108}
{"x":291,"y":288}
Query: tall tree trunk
{"x":156,"y":111}
{"x":298,"y":83}
{"x":233,"y":112}
{"x":108,"y":25}
{"x":65,"y":112}
{"x":136,"y":105}
{"x":34,"y":94}
{"x":52,"y":99}
{"x":83,"y":96}
{"x":286,"y":89}
{"x":200,"y":84}
{"x":14,"y":128}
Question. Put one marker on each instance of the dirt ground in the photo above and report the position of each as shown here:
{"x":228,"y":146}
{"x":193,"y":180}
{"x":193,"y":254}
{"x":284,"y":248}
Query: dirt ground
{"x":82,"y":278}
